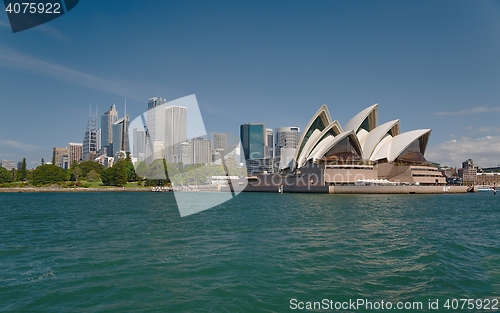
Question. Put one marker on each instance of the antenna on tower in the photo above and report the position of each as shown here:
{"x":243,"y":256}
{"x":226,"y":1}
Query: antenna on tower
{"x":125,"y":114}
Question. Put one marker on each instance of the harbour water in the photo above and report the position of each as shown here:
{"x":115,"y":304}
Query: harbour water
{"x":259,"y":252}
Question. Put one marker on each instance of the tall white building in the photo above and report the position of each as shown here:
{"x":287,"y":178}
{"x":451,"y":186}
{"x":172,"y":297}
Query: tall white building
{"x":201,"y":151}
{"x":165,"y":129}
{"x":155,"y":119}
{"x":269,"y":142}
{"x":219,"y":147}
{"x":220,"y":141}
{"x":139,"y":139}
{"x":175,"y":130}
{"x":286,"y":137}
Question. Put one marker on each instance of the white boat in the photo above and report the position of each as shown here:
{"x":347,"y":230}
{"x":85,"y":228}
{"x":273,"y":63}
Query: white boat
{"x":484,"y":188}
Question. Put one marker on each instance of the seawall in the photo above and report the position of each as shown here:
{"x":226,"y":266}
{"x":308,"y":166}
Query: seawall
{"x":360,"y":189}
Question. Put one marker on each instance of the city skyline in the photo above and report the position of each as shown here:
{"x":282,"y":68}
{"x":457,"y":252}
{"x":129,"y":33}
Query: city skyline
{"x":435,"y":63}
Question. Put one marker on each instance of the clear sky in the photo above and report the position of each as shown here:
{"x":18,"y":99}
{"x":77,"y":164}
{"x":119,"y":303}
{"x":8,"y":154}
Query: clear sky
{"x":432,"y":64}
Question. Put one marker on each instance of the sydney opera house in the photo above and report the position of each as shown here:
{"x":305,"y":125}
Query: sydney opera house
{"x":330,"y":156}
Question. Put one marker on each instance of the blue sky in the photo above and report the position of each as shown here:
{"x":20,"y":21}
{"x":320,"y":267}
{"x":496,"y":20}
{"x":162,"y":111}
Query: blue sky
{"x":432,"y":64}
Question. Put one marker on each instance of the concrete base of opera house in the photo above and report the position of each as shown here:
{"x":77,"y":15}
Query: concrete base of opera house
{"x":361,"y":189}
{"x":354,"y":179}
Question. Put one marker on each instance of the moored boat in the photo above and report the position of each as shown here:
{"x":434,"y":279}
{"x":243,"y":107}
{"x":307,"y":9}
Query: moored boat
{"x":485,"y":188}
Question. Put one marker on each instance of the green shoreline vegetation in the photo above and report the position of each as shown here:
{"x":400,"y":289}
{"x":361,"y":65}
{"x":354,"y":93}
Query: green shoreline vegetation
{"x":92,"y":176}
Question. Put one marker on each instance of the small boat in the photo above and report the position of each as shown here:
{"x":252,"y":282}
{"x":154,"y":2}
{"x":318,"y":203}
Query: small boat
{"x":485,"y":188}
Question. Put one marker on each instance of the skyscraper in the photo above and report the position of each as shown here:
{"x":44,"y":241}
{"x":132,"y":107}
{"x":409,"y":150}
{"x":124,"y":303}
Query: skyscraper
{"x":219,"y":147}
{"x":155,"y":101}
{"x":90,"y":141}
{"x":139,"y":140}
{"x":201,"y":151}
{"x":269,"y":143}
{"x":286,"y":137}
{"x":107,"y":120}
{"x":252,"y":140}
{"x":175,"y":130}
{"x":120,"y":136}
{"x":154,"y":119}
{"x":220,"y":141}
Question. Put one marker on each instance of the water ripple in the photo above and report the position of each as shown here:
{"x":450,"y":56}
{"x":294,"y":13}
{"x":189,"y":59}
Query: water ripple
{"x":129,"y":252}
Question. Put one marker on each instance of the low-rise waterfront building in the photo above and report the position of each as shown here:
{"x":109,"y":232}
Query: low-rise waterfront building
{"x":488,"y":179}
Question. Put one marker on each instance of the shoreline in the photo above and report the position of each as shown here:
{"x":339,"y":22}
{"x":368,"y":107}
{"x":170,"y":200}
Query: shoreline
{"x":76,"y":189}
{"x":273,"y":189}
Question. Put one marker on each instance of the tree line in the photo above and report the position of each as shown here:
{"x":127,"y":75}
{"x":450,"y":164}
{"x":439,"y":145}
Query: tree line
{"x":158,"y":173}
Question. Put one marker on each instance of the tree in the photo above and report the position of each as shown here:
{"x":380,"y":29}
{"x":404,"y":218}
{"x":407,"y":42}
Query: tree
{"x":88,"y":166}
{"x":129,"y":168}
{"x":5,"y":176}
{"x":141,"y":169}
{"x":14,"y":174}
{"x":122,"y":155}
{"x":157,"y":174}
{"x":92,"y":176}
{"x":23,"y":173}
{"x":43,"y":161}
{"x":48,"y":174}
{"x":114,"y":176}
{"x":75,"y":173}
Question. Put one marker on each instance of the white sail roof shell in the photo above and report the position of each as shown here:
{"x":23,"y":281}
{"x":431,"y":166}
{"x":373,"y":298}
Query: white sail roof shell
{"x":329,"y":142}
{"x":358,"y":119}
{"x":402,"y":141}
{"x":362,"y":135}
{"x":313,"y":142}
{"x":391,"y":147}
{"x":382,"y":149}
{"x":315,"y":136}
{"x":373,"y":138}
{"x":316,"y":153}
{"x":322,"y":113}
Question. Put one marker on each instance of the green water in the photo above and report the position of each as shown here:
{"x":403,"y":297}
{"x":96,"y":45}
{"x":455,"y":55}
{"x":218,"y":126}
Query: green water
{"x":132,"y":252}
